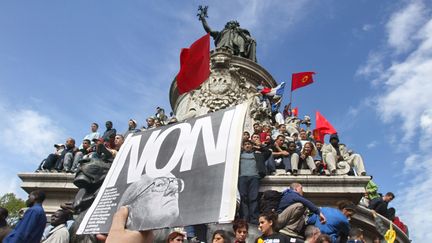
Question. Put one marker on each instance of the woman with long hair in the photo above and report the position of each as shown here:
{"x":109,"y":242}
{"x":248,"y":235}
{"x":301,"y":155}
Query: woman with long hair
{"x":220,"y":236}
{"x":267,"y":225}
{"x":306,"y":156}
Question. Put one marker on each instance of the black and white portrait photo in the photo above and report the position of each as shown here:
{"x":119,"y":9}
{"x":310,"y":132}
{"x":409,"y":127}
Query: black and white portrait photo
{"x":152,"y":201}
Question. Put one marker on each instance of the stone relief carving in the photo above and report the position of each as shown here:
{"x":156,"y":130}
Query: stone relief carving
{"x":225,"y":86}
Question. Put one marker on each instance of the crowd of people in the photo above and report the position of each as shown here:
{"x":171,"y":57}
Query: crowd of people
{"x":278,"y":148}
{"x":66,"y":157}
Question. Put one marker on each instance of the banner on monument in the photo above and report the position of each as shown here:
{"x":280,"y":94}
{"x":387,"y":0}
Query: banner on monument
{"x":176,"y":175}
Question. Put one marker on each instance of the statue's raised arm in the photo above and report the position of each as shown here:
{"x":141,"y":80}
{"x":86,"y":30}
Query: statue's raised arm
{"x":202,"y":15}
{"x":232,"y":37}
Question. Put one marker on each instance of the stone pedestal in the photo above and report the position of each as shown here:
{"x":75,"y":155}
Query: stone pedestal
{"x":59,"y":188}
{"x":322,"y":190}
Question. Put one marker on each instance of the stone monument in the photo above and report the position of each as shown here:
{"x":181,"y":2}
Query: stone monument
{"x":234,"y":78}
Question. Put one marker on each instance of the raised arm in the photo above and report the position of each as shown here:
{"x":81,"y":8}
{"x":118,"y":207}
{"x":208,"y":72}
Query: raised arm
{"x":202,"y":14}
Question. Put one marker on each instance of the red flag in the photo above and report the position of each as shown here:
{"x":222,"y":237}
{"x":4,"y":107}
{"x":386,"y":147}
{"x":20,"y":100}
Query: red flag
{"x":301,"y":79}
{"x":323,"y":127}
{"x":295,"y":111}
{"x":194,"y":65}
{"x":318,"y":136}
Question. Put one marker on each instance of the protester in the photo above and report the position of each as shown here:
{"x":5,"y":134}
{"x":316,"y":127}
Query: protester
{"x":380,"y":204}
{"x":60,"y":233}
{"x":252,"y":168}
{"x":323,"y":238}
{"x":395,"y":219}
{"x":291,"y":220}
{"x":30,"y":228}
{"x":109,"y":133}
{"x":132,"y":127}
{"x":267,"y":225}
{"x":66,"y":159}
{"x":94,"y":134}
{"x":49,"y":162}
{"x":336,"y":152}
{"x":220,"y":236}
{"x":241,"y":230}
{"x":337,"y":225}
{"x":4,"y":227}
{"x":356,"y":236}
{"x":175,"y":237}
{"x":312,"y":234}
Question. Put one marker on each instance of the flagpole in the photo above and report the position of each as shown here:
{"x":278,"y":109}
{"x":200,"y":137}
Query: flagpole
{"x":291,"y":94}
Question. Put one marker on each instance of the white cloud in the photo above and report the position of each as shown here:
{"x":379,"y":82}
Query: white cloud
{"x":367,"y":27}
{"x":28,"y":133}
{"x":404,"y":102}
{"x":373,"y":67}
{"x":9,"y":183}
{"x":372,"y":144}
{"x":403,"y":25}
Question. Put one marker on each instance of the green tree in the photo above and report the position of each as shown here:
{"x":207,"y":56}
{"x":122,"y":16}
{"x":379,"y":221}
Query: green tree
{"x":13,"y":204}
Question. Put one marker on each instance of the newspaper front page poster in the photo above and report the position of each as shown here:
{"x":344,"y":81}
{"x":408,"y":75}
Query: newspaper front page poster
{"x":175,"y":175}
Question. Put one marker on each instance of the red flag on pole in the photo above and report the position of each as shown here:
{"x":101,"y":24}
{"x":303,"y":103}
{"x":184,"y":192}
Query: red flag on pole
{"x":295,"y":111}
{"x":301,"y":79}
{"x":323,"y":127}
{"x":194,"y":65}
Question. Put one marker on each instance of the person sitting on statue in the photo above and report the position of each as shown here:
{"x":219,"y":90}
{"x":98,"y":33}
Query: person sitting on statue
{"x":257,"y":128}
{"x":306,"y":157}
{"x":160,"y":115}
{"x":246,"y":136}
{"x":49,"y":162}
{"x":265,"y":135}
{"x":79,"y":155}
{"x":335,"y":152}
{"x":94,"y":134}
{"x":110,"y":133}
{"x":132,"y":127}
{"x":303,"y":138}
{"x":281,"y":157}
{"x":150,"y":123}
{"x":281,"y":130}
{"x":319,"y":162}
{"x":66,"y":159}
{"x":232,"y":37}
{"x":105,"y":151}
{"x":256,"y":142}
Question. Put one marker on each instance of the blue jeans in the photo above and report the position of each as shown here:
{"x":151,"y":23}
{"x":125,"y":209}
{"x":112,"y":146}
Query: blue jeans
{"x":248,"y":187}
{"x":271,"y":164}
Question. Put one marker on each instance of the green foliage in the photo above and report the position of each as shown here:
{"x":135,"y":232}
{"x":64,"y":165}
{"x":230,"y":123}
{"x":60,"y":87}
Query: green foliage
{"x":13,"y":205}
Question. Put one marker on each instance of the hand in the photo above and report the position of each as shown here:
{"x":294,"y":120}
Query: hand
{"x":118,"y":233}
{"x":323,"y":219}
{"x":285,"y":153}
{"x":302,"y":156}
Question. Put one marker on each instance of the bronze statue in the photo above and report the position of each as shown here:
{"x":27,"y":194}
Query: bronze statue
{"x":232,"y":37}
{"x":88,"y":179}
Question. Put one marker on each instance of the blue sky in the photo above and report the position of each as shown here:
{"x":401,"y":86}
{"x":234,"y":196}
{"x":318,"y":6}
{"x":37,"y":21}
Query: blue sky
{"x":66,"y":64}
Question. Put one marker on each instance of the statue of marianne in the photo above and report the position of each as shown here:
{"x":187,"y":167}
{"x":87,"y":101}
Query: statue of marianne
{"x":238,"y":40}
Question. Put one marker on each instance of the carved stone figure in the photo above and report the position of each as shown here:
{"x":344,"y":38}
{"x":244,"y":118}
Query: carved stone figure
{"x":89,"y":178}
{"x":232,"y":37}
{"x":224,"y":88}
